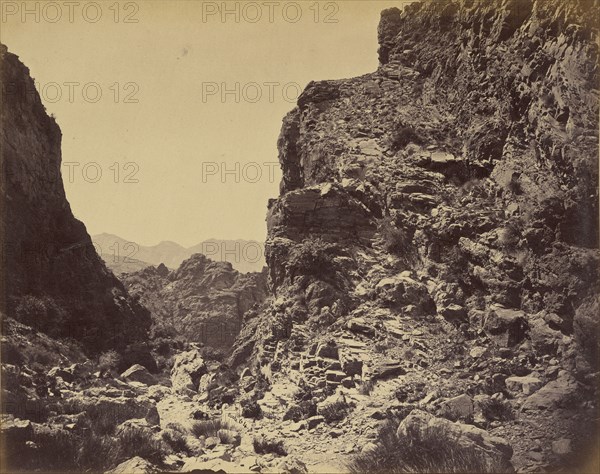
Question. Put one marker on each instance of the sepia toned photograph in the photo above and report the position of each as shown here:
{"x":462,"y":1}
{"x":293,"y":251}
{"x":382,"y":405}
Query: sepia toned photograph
{"x":296,"y":237}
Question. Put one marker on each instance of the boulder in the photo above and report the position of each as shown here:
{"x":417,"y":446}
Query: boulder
{"x":138,"y":373}
{"x":562,"y":447}
{"x":314,"y":421}
{"x":478,"y":352}
{"x":211,"y":442}
{"x":387,"y":369}
{"x":292,"y":465}
{"x":454,"y":313}
{"x":136,"y":465}
{"x":120,"y":408}
{"x":334,"y":375}
{"x":506,"y":327}
{"x":525,"y":384}
{"x":561,"y":392}
{"x":15,"y":430}
{"x":328,"y":350}
{"x":544,"y":339}
{"x":187,"y":370}
{"x":158,"y":392}
{"x":351,"y":364}
{"x":78,"y":370}
{"x":458,"y":407}
{"x":135,"y":423}
{"x":216,"y":466}
{"x":360,"y":326}
{"x":245,"y":373}
{"x":66,"y":375}
{"x":319,"y":91}
{"x":402,"y":290}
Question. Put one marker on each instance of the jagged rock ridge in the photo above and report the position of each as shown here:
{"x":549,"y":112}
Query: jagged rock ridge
{"x":202,"y":301}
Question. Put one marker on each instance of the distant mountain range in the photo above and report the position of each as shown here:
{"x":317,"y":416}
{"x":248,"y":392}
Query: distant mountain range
{"x":125,"y":256}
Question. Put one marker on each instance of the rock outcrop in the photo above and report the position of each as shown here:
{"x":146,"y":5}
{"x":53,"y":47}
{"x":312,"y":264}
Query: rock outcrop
{"x":202,"y":301}
{"x":469,"y":156}
{"x":53,"y":278}
{"x":439,"y":218}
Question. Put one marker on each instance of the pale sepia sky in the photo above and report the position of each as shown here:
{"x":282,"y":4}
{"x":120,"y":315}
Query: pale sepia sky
{"x":175,"y":51}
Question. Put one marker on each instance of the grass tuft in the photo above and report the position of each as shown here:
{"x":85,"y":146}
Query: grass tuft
{"x":431,"y":450}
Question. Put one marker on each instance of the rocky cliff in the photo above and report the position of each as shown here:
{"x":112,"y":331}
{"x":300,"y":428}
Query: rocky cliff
{"x":53,"y":278}
{"x":202,"y":301}
{"x":438,"y":219}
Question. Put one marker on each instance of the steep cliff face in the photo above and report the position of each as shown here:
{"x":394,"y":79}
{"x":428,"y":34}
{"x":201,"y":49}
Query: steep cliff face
{"x":201,"y":301}
{"x":442,"y":207}
{"x":475,"y":140}
{"x":54,"y":280}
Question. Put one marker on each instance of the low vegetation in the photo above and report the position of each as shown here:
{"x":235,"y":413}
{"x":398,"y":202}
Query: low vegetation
{"x":494,"y":409}
{"x":403,"y":134}
{"x":85,"y":451}
{"x":335,"y":411}
{"x":366,"y":387}
{"x":314,"y":256}
{"x":209,"y":428}
{"x":174,"y":437}
{"x":432,"y":450}
{"x":264,"y":445}
{"x":395,"y":239}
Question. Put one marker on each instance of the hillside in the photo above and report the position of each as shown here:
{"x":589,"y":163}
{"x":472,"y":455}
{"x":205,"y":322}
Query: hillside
{"x":124,"y":256}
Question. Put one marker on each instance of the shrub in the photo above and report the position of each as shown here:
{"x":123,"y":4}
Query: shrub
{"x":174,"y":437}
{"x":97,"y":452}
{"x":213,"y":353}
{"x":42,"y":314}
{"x":395,"y":239}
{"x":366,"y":387}
{"x":103,"y":418}
{"x":264,"y":445}
{"x":39,"y":355}
{"x":251,"y":409}
{"x":135,"y":441}
{"x":313,"y":256}
{"x":229,"y":437}
{"x":55,"y":450}
{"x":515,"y":186}
{"x":335,"y":411}
{"x":494,"y":409}
{"x":293,"y":413}
{"x":475,"y":187}
{"x":402,"y":135}
{"x":509,"y":236}
{"x":209,"y":428}
{"x":431,"y":450}
{"x":108,"y":361}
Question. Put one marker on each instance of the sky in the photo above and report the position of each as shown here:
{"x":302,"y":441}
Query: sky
{"x":170,"y":110}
